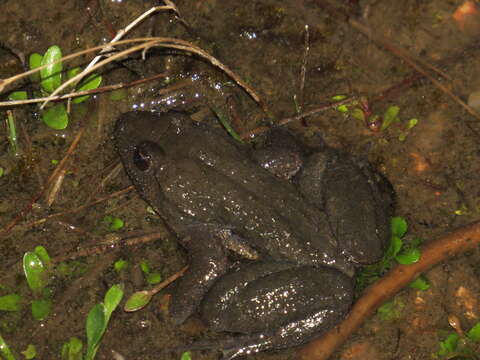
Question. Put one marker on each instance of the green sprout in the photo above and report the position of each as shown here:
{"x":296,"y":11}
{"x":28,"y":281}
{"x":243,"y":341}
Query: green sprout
{"x":397,"y":252}
{"x":98,"y":318}
{"x":10,"y":302}
{"x":72,"y":350}
{"x":51,"y":78}
{"x":114,"y":223}
{"x":36,"y":267}
{"x":5,"y":350}
{"x":186,"y":356}
{"x":151,"y":278}
{"x":96,"y":325}
{"x":12,"y":132}
{"x":120,"y":265}
{"x":456,"y":346}
{"x":30,"y":352}
{"x":359,"y":110}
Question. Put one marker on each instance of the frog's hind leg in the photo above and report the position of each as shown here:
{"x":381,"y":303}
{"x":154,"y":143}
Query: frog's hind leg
{"x":281,"y":307}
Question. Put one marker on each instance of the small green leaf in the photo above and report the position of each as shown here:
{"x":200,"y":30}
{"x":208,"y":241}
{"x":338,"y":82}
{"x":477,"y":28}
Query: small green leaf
{"x":390,"y":116}
{"x":358,"y":114}
{"x":41,"y":308}
{"x":411,"y":123}
{"x":137,"y":301}
{"x":42,"y":254}
{"x":420,"y":283}
{"x":474,"y":333}
{"x":112,"y":298}
{"x":30,"y":352}
{"x":92,"y":82}
{"x":34,"y":271}
{"x":95,"y":328}
{"x":51,"y":75}
{"x":120,"y":265}
{"x":10,"y":302}
{"x":339,"y":97}
{"x":5,"y":350}
{"x":72,"y":350}
{"x":55,"y":117}
{"x":398,"y":226}
{"x":17,"y":95}
{"x":153,"y":278}
{"x":34,"y":61}
{"x":449,"y":345}
{"x":408,"y":256}
{"x":342,"y":108}
{"x":73,"y":72}
{"x":116,"y":224}
{"x":186,"y":356}
{"x":395,"y":245}
{"x":144,"y":267}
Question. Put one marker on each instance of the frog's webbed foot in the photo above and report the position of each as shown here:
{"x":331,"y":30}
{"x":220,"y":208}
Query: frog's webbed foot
{"x":208,"y":261}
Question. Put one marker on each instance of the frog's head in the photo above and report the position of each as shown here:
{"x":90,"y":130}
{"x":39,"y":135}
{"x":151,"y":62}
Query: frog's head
{"x":138,"y":141}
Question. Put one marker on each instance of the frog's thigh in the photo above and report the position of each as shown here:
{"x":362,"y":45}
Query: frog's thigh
{"x":341,"y":188}
{"x":288,"y":306}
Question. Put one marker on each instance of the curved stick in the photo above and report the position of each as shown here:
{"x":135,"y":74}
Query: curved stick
{"x":454,"y":243}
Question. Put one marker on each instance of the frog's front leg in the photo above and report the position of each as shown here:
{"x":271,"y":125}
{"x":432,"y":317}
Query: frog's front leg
{"x":276,"y":305}
{"x":207,"y":262}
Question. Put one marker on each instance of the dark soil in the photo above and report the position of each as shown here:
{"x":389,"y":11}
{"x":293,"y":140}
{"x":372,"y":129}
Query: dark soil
{"x":433,"y":167}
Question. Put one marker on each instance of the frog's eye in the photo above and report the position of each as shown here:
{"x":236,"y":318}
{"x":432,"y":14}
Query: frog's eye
{"x":144,"y":155}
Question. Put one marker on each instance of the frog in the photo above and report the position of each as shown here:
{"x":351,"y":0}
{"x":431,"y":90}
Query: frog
{"x":271,"y":257}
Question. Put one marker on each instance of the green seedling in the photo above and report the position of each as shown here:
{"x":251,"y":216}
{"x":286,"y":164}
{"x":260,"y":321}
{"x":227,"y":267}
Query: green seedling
{"x":114,"y":223}
{"x":12,"y":132}
{"x":10,"y":302}
{"x":360,"y":110}
{"x":151,"y":278}
{"x":72,"y":350}
{"x":98,"y":318}
{"x":30,"y":352}
{"x":397,"y":252}
{"x":120,"y":265}
{"x":140,"y":299}
{"x":5,"y":350}
{"x":36,"y":267}
{"x":455,"y":346}
{"x":50,"y":78}
{"x":186,"y":356}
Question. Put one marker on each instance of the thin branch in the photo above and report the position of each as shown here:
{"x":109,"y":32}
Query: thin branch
{"x":82,"y":93}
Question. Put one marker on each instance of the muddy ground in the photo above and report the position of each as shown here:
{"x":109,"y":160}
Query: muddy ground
{"x":433,"y":166}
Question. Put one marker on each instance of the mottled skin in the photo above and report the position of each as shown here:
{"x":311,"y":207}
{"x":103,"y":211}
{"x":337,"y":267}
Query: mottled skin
{"x":301,"y":236}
